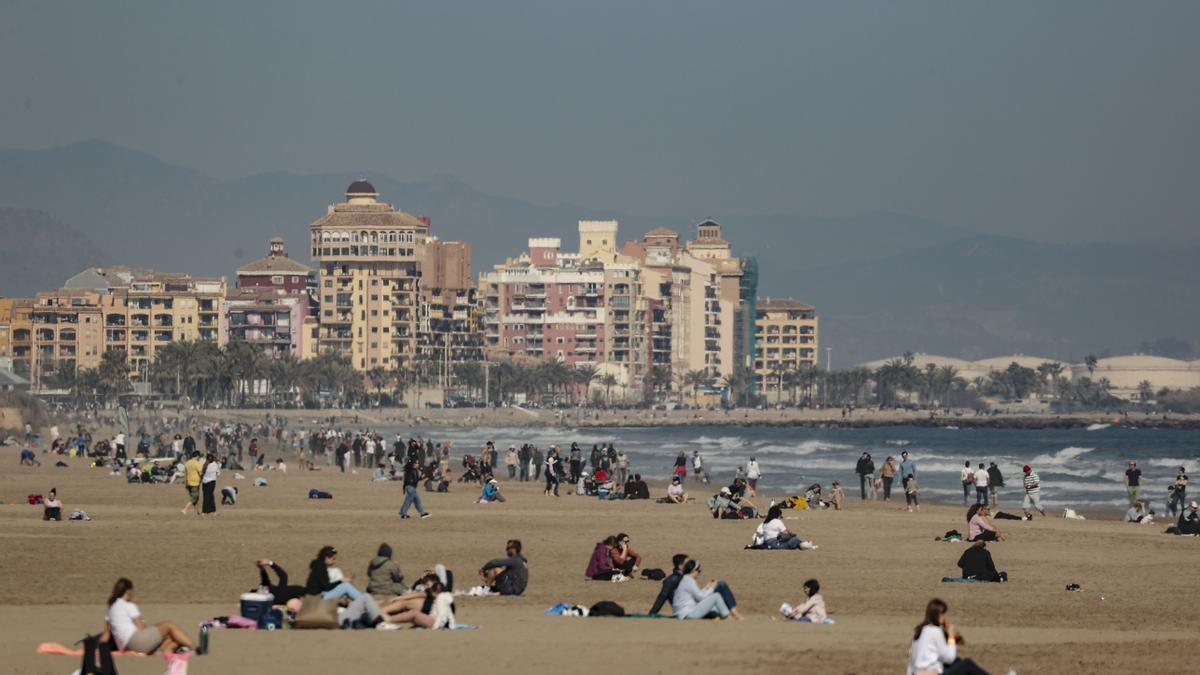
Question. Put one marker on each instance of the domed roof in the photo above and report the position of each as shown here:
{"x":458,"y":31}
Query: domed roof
{"x":1003,"y":362}
{"x":361,"y":187}
{"x":1141,"y":361}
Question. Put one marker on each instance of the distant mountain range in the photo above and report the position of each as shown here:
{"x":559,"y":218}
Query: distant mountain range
{"x":882,"y":282}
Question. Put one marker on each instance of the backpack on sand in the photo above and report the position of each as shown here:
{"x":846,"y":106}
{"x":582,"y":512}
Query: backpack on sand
{"x":606,"y":608}
{"x":97,"y":657}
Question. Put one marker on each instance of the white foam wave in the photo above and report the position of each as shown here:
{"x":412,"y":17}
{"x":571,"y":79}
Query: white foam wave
{"x":1067,"y":454}
{"x":1097,"y":427}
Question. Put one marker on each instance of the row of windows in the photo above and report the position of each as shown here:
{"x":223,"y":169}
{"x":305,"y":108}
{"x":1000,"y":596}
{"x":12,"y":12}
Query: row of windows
{"x":366,"y":237}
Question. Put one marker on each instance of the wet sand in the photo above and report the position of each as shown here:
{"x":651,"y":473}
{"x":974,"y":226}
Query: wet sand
{"x":877,"y":564}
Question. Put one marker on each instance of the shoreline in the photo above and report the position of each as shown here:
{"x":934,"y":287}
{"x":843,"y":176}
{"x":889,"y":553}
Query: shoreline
{"x":585,"y":418}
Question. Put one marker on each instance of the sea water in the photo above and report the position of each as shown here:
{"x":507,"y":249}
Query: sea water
{"x":1078,"y":467}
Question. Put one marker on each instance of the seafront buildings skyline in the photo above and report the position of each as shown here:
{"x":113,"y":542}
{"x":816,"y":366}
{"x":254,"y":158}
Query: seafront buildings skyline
{"x":661,"y":313}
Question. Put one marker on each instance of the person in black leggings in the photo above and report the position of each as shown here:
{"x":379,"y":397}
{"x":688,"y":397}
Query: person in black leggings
{"x":282,"y":591}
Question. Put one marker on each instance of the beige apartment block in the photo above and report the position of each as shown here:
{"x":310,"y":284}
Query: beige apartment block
{"x":787,"y":339}
{"x":135,"y":312}
{"x":369,"y":258}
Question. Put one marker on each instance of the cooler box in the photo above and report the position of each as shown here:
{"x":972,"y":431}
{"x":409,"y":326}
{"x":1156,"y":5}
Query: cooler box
{"x":255,"y":606}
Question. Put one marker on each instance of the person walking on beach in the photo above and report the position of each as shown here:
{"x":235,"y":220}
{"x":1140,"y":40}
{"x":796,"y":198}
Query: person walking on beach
{"x":698,"y":467}
{"x":208,"y":484}
{"x":552,"y":471}
{"x":510,"y":460}
{"x":1133,"y":482}
{"x":995,"y":482}
{"x":622,"y":467}
{"x":887,"y":473}
{"x":524,"y":456}
{"x":412,"y":476}
{"x":1033,"y":492}
{"x":967,"y":476}
{"x":981,"y":485}
{"x":576,"y":462}
{"x":753,"y":473}
{"x":910,"y":492}
{"x":193,"y":471}
{"x":535,"y":464}
{"x":866,"y":475}
{"x":1178,"y":493}
{"x":907,"y":466}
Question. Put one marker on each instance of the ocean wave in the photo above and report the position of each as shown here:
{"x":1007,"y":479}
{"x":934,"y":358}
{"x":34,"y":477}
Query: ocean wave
{"x":1067,"y":454}
{"x":1098,"y":427}
{"x":897,"y":442}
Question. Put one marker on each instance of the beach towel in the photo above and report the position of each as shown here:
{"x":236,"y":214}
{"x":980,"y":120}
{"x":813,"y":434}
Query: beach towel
{"x":59,"y":649}
{"x":566,"y":609}
{"x":963,"y":580}
{"x":261,"y":482}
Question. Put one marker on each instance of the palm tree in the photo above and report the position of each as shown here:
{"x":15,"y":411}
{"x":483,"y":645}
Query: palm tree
{"x":380,"y":378}
{"x":1050,"y":370}
{"x":1090,"y":362}
{"x":608,"y":381}
{"x":658,"y":378}
{"x":696,"y":379}
{"x":778,"y":372}
{"x":112,"y":375}
{"x":1145,"y":391}
{"x":585,"y":374}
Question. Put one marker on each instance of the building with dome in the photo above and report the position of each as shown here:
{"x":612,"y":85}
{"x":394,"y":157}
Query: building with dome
{"x":370,"y":257}
{"x":1126,"y":373}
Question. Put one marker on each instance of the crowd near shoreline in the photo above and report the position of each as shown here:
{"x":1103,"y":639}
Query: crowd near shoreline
{"x":214,"y":453}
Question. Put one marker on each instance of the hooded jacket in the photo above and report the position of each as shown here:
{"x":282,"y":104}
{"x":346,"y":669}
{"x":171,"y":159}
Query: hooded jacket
{"x":600,"y":562}
{"x":384,"y":577}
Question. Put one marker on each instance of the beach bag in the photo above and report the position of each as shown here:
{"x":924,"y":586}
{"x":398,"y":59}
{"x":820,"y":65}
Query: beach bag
{"x":97,"y":657}
{"x":34,"y":500}
{"x":316,"y":613}
{"x":654,"y":574}
{"x":606,"y":608}
{"x":319,"y":494}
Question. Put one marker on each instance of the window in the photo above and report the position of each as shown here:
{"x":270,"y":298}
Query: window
{"x":277,"y":279}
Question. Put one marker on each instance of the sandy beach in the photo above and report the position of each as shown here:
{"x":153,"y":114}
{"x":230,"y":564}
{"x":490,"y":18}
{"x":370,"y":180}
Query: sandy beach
{"x":878,"y":565}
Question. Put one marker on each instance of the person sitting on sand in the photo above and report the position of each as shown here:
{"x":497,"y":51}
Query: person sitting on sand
{"x":669,"y":584}
{"x":773,"y":534}
{"x":28,"y":458}
{"x":508,"y":575}
{"x":812,"y":496}
{"x":934,"y":649}
{"x":978,"y":527}
{"x":812,"y":610}
{"x":1138,"y":513}
{"x":281,"y":591}
{"x":491,"y":493}
{"x":675,"y":493}
{"x":1189,"y":520}
{"x":52,"y":507}
{"x":380,"y":473}
{"x":131,"y":633}
{"x":600,"y":566}
{"x":384,"y":575}
{"x":640,"y":489}
{"x":976,"y":563}
{"x":320,"y":582}
{"x":693,"y":602}
{"x":624,"y":558}
{"x":721,"y":504}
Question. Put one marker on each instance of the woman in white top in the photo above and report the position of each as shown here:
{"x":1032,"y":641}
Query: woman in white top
{"x":208,"y":484}
{"x":773,"y":533}
{"x":692,"y":602}
{"x":131,"y":633}
{"x":934,"y":647}
{"x":753,"y":473}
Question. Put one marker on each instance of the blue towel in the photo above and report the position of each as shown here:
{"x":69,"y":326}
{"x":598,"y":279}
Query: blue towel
{"x":962,"y":580}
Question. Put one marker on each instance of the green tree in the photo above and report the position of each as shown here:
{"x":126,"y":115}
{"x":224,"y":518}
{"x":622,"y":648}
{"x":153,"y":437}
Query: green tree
{"x":608,"y":381}
{"x":696,"y":379}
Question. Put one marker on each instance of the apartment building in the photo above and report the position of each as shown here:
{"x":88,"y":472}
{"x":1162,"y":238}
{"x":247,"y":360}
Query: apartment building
{"x":369,"y":258}
{"x":16,"y":332}
{"x":271,"y":306}
{"x":133,"y":311}
{"x":448,"y":330}
{"x":787,"y":334}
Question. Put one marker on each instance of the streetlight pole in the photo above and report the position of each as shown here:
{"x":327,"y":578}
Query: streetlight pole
{"x":487,"y":385}
{"x":828,"y":359}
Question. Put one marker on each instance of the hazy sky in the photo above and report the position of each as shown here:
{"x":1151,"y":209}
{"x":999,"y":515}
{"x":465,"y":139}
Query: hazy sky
{"x":1059,"y":120}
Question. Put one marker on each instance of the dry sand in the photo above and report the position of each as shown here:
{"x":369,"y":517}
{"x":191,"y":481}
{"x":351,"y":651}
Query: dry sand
{"x":878,"y":566}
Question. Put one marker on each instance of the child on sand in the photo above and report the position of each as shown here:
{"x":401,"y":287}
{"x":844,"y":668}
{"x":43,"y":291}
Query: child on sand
{"x":910,"y":493}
